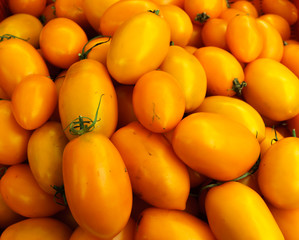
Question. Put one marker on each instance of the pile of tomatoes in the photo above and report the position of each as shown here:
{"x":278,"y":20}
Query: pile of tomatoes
{"x":149,"y":119}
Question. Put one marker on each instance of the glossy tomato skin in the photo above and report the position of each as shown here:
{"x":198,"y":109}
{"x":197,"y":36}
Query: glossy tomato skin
{"x":37,"y":228}
{"x":138,"y":46}
{"x":18,"y":59}
{"x":289,"y":57}
{"x":101,"y":169}
{"x":235,"y":211}
{"x":157,"y":175}
{"x":278,"y":188}
{"x":79,"y":97}
{"x":23,"y":195}
{"x":237,"y":110}
{"x":33,"y":7}
{"x":14,"y":140}
{"x":215,"y":146}
{"x":278,"y":85}
{"x":157,"y":223}
{"x":245,"y":6}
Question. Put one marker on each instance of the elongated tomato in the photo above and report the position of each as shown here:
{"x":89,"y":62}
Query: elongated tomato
{"x":215,"y":146}
{"x":139,"y":45}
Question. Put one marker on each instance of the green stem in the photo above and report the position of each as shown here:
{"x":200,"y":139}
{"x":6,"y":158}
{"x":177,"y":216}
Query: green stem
{"x":59,"y":196}
{"x":156,"y":11}
{"x":83,"y":54}
{"x":238,"y":87}
{"x":294,"y":132}
{"x":202,"y":17}
{"x":9,"y":36}
{"x":275,"y":133}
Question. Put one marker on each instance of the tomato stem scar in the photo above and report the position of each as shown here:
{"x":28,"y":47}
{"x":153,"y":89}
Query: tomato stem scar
{"x":202,"y":17}
{"x":238,"y":87}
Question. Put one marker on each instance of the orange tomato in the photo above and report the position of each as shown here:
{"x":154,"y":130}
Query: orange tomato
{"x":32,"y":7}
{"x":22,"y":194}
{"x":157,"y":175}
{"x":155,"y":223}
{"x":190,"y":75}
{"x":61,"y":40}
{"x":37,"y":228}
{"x":235,"y":211}
{"x":293,"y":124}
{"x":289,"y":57}
{"x":245,"y":6}
{"x":79,"y":97}
{"x":138,"y":46}
{"x":103,"y":181}
{"x":278,"y":188}
{"x":271,"y":137}
{"x":206,"y":142}
{"x":48,"y":13}
{"x":230,"y":13}
{"x":279,"y":85}
{"x":195,"y":39}
{"x":158,"y":101}
{"x":179,"y":3}
{"x":14,"y":138}
{"x":219,"y":82}
{"x":237,"y":110}
{"x":243,"y":38}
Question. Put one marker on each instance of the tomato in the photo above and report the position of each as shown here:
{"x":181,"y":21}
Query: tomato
{"x":33,"y":110}
{"x":181,"y":26}
{"x":79,"y":97}
{"x":190,"y":75}
{"x":245,"y":6}
{"x":289,"y":57}
{"x":32,"y":7}
{"x":284,"y":8}
{"x":271,"y":137}
{"x":190,"y":49}
{"x":213,"y":33}
{"x":48,"y":13}
{"x":279,"y":85}
{"x":45,"y":149}
{"x":61,"y":40}
{"x":17,"y":60}
{"x":215,"y":146}
{"x":22,"y":194}
{"x":179,"y":3}
{"x":251,"y":181}
{"x":219,"y":82}
{"x":272,"y":41}
{"x":14,"y":138}
{"x":158,"y":101}
{"x":119,"y":12}
{"x":138,"y":46}
{"x":96,"y":180}
{"x":230,"y":13}
{"x":293,"y":124}
{"x":157,"y":175}
{"x":37,"y":228}
{"x":278,"y":188}
{"x":195,"y":39}
{"x":24,"y":26}
{"x":237,"y":110}
{"x":235,"y":211}
{"x":243,"y":38}
{"x":196,"y":179}
{"x":279,"y":23}
{"x":155,"y":223}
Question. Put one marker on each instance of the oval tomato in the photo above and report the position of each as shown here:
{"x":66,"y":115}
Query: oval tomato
{"x":215,"y":146}
{"x":96,"y":180}
{"x":245,"y":6}
{"x":138,"y":46}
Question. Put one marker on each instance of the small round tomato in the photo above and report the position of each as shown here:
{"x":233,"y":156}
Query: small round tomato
{"x":157,"y":175}
{"x":155,"y":223}
{"x":61,"y":40}
{"x":158,"y":101}
{"x":22,"y":194}
{"x":138,"y":46}
{"x":32,"y":7}
{"x":33,"y":101}
{"x":96,"y":180}
{"x":37,"y":228}
{"x":289,"y":58}
{"x":215,"y":146}
{"x":278,"y":176}
{"x":225,"y":204}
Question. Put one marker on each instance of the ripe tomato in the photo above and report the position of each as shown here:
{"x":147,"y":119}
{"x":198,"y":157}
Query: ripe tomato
{"x":24,"y":26}
{"x":245,"y":6}
{"x":48,"y":13}
{"x":138,"y":46}
{"x":215,"y":146}
{"x":230,"y":13}
{"x":32,"y":7}
{"x":237,"y":110}
{"x":22,"y":194}
{"x":37,"y":228}
{"x":18,"y":59}
{"x":155,"y":223}
{"x":271,"y":137}
{"x":157,"y":175}
{"x":14,"y":138}
{"x":235,"y":212}
{"x":289,"y":57}
{"x":195,"y":39}
{"x":179,"y":3}
{"x":61,"y":40}
{"x":277,"y":187}
{"x":243,"y":38}
{"x":96,"y":180}
{"x":45,"y":149}
{"x":219,"y":82}
{"x":34,"y":101}
{"x":190,"y":75}
{"x":79,"y":97}
{"x":278,"y":85}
